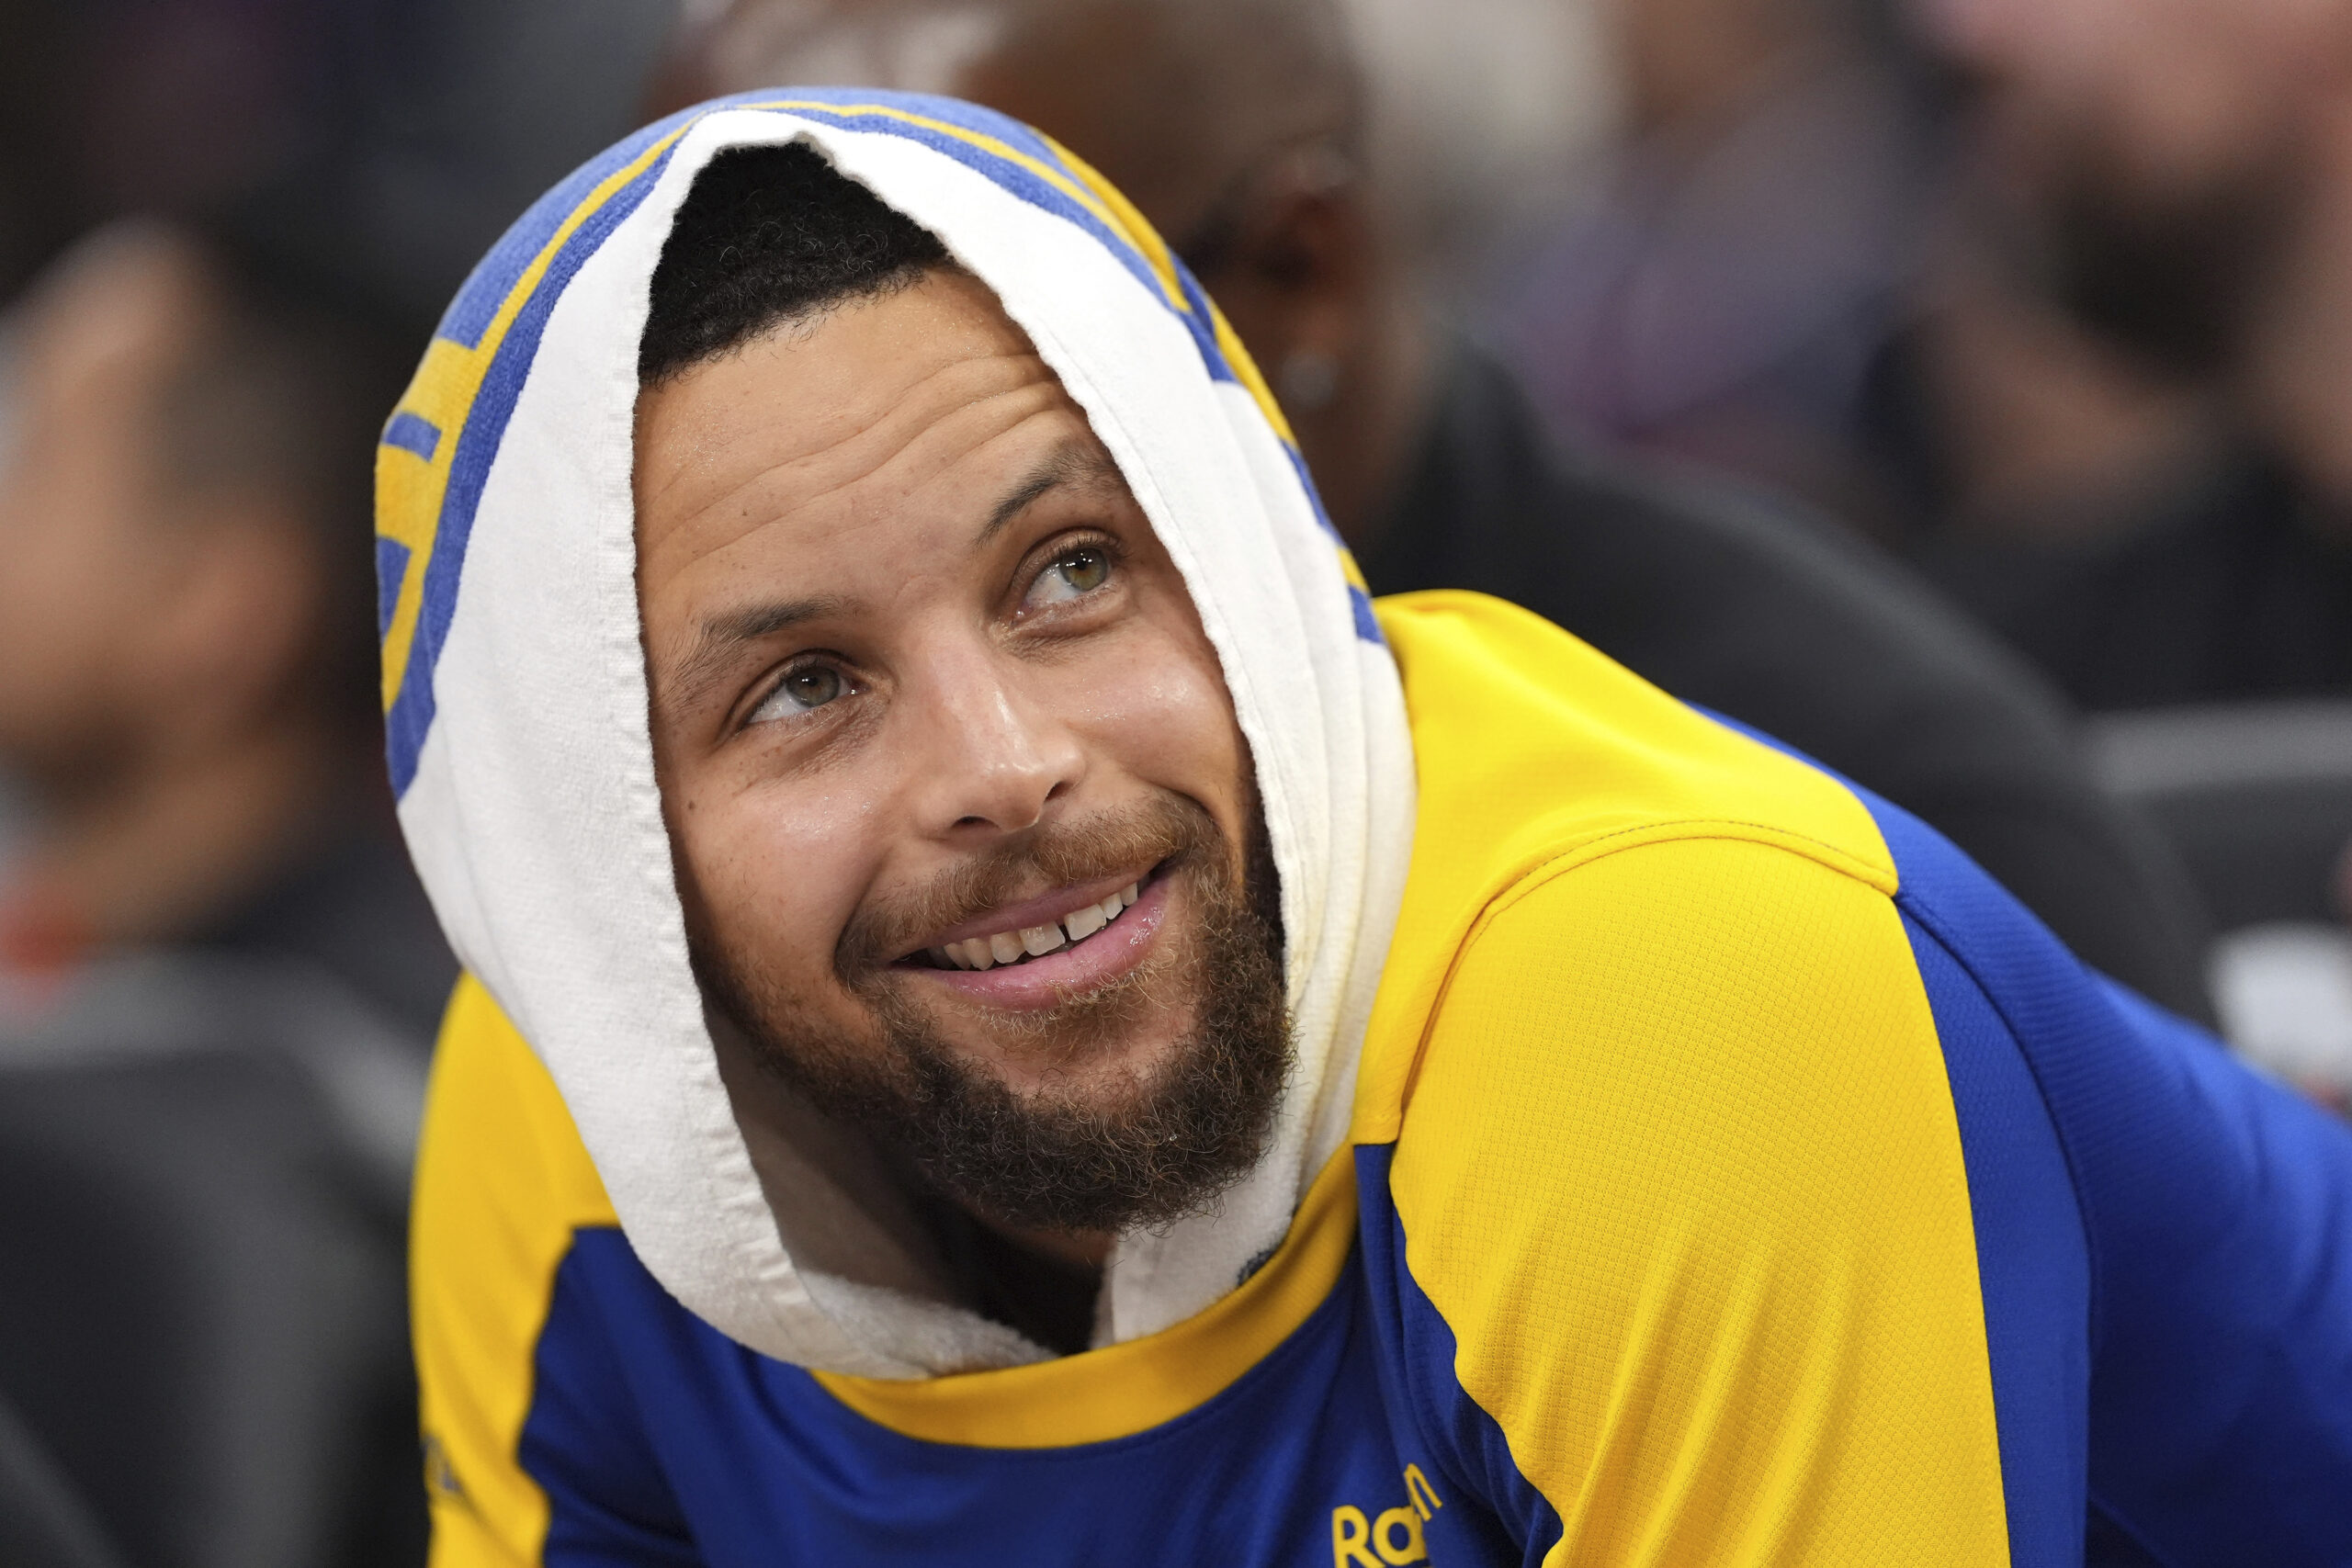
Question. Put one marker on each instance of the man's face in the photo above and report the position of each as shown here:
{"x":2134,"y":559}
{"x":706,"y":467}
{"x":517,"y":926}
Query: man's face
{"x":80,"y":491}
{"x":962,"y":817}
{"x":2158,"y":151}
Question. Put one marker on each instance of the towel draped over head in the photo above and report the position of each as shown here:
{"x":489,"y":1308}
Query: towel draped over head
{"x":514,"y":687}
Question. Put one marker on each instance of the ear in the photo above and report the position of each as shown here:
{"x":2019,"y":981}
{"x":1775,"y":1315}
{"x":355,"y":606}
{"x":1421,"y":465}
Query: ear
{"x":241,"y":616}
{"x":1292,"y":269}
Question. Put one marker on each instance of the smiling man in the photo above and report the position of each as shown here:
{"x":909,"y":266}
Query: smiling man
{"x":1016,"y":1017}
{"x":1037,"y":957}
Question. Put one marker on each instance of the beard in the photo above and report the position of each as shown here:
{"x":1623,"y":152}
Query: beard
{"x":2175,"y":278}
{"x":1098,"y":1146}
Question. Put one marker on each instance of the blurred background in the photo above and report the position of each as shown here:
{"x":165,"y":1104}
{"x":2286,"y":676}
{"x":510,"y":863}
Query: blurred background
{"x":2035,"y":303}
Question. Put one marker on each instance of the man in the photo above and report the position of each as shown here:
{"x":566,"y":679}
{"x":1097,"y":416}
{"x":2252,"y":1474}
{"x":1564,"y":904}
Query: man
{"x":1020,"y":1020}
{"x":1236,"y":127}
{"x":179,"y":684}
{"x":2177,"y":176}
{"x":1736,"y":257}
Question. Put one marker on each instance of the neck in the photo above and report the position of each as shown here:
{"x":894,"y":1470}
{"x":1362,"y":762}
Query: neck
{"x":2292,"y":374}
{"x":173,"y":839}
{"x":1064,"y":1249}
{"x":1043,"y":1283}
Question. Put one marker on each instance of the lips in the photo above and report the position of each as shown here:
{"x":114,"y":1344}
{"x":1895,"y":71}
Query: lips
{"x":1064,"y":971}
{"x":1013,"y":933}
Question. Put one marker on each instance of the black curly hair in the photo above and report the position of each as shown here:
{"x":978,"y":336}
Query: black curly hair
{"x":768,"y":235}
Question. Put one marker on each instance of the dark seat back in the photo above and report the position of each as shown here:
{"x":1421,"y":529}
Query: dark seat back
{"x":42,"y":1523}
{"x":203,"y":1315}
{"x":2256,"y":797}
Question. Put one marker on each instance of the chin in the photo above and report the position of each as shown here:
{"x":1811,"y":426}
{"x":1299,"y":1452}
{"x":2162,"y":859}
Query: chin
{"x":1105,"y":1070}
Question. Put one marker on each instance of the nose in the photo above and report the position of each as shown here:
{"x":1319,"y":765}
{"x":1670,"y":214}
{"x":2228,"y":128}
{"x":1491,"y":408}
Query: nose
{"x":992,"y":754}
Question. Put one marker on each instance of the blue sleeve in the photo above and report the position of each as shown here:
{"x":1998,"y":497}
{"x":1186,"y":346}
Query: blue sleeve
{"x":2223,"y":1236}
{"x":584,"y":1443}
{"x":2204,"y":1272}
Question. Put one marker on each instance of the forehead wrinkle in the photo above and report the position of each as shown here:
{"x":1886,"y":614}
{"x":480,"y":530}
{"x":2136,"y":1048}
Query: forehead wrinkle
{"x":888,"y":439}
{"x":1077,"y":463}
{"x":958,"y":434}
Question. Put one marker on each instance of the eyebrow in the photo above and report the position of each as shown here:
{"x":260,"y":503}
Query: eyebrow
{"x":722,"y":637}
{"x":1076,"y":463}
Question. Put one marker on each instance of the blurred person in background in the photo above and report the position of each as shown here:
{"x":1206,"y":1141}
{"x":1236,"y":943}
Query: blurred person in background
{"x":218,"y":977}
{"x":185,"y":657}
{"x":2176,"y":176}
{"x":2011,"y":434}
{"x":219,"y":981}
{"x":1717,"y":282}
{"x":1240,"y":128}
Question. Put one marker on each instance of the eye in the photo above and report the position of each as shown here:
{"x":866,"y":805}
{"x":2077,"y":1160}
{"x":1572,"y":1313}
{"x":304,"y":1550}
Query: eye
{"x":1073,"y":574}
{"x":808,"y":686}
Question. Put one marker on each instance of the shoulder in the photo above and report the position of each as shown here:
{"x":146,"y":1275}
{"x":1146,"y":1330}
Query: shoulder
{"x":1649,"y":971}
{"x":1717,"y":1025}
{"x":1508,"y":709}
{"x":1677,"y":1168}
{"x":1537,"y":756}
{"x":1671,"y":1149}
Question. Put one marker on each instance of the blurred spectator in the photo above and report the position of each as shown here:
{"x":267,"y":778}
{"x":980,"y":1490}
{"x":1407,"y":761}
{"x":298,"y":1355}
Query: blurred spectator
{"x":1239,"y":126}
{"x":2008,"y":427}
{"x":218,"y":975}
{"x":1720,"y":284}
{"x":1479,"y":115}
{"x":115,"y":106}
{"x":386,"y":142}
{"x":186,"y":666}
{"x":2177,"y":176}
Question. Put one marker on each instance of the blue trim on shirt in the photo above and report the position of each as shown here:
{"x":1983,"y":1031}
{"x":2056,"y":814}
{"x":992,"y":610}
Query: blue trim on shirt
{"x":1468,"y":1455}
{"x":2216,"y":1219}
{"x":657,"y":1439}
{"x":2032,"y":1265}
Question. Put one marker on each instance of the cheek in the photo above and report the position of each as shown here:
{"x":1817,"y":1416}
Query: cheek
{"x":1156,"y":707}
{"x":71,"y":606}
{"x":778,"y":877}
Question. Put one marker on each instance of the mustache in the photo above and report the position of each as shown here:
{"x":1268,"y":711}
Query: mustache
{"x":890,"y":926}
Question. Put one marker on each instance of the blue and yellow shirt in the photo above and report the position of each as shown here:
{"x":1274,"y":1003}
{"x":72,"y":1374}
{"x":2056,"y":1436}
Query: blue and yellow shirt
{"x":1738,"y":1176}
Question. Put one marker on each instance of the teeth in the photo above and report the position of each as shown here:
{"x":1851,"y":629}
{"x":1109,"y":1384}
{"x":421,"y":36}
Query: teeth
{"x":1035,"y":941}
